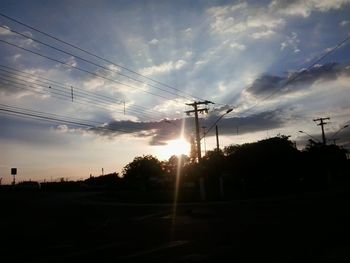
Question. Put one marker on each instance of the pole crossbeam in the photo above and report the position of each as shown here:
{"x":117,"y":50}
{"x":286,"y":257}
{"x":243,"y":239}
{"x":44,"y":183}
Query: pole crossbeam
{"x":196,"y":110}
{"x":322,"y":123}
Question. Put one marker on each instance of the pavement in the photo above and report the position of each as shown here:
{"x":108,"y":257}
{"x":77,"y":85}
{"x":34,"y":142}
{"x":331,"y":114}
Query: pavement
{"x":57,"y":227}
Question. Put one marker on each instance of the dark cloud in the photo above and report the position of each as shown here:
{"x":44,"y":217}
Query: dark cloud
{"x":268,"y":84}
{"x":265,"y":84}
{"x":159,"y":132}
{"x":253,"y":123}
{"x":162,"y":131}
{"x":30,"y":132}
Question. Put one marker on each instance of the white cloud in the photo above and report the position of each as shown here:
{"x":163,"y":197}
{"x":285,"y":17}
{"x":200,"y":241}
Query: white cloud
{"x":114,"y":68}
{"x":226,"y":20}
{"x":171,"y":107}
{"x":179,"y":64}
{"x":188,"y":54}
{"x":224,"y":10}
{"x":237,"y":46}
{"x":222,"y":87}
{"x":154,"y":41}
{"x":94,"y":84}
{"x":264,"y":21}
{"x":188,"y":32}
{"x":16,"y":57}
{"x":263,"y":34}
{"x":164,"y":67}
{"x":5,"y":32}
{"x":238,"y":6}
{"x":291,"y":41}
{"x":344,"y":22}
{"x":305,"y":7}
{"x":72,"y":62}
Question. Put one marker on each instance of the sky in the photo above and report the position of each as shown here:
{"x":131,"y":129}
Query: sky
{"x":125,"y":70}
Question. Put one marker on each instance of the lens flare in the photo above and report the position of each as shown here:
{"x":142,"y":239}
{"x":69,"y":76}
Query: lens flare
{"x":177,"y":179}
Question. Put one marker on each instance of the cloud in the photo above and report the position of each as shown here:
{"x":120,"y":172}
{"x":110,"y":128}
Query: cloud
{"x":171,"y":107}
{"x":237,"y":46}
{"x":188,"y":32}
{"x":72,"y":61}
{"x":291,"y":41}
{"x":226,"y":10}
{"x":161,"y":132}
{"x":238,"y":18}
{"x":5,"y":32}
{"x":267,"y":84}
{"x":94,"y":83}
{"x":253,"y":123}
{"x":16,"y":57}
{"x":154,"y":41}
{"x":36,"y":133}
{"x":344,"y":22}
{"x":165,"y":67}
{"x":305,"y":7}
{"x":263,"y":34}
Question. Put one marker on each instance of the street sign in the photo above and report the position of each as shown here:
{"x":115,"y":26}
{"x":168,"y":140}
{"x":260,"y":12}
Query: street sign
{"x":13,"y":171}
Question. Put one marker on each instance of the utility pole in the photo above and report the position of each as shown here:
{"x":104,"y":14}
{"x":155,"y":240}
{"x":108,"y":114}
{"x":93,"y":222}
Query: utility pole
{"x":205,"y":147}
{"x":195,"y":111}
{"x":71,"y":91}
{"x":322,"y":123}
{"x":217,"y":138}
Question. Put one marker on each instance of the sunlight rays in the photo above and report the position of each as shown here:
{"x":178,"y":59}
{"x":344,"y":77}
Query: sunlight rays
{"x":177,"y":179}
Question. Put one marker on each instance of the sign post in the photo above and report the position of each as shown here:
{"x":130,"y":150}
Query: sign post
{"x":13,"y":173}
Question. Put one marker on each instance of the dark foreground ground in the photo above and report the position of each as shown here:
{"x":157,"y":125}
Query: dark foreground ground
{"x":80,"y":226}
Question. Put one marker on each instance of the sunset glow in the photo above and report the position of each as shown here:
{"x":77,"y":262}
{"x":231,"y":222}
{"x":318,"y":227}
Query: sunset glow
{"x":174,"y":147}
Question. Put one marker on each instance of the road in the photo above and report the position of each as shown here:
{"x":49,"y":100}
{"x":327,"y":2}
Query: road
{"x":57,"y":227}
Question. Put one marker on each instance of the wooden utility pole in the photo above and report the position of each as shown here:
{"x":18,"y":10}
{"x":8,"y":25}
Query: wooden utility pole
{"x":217,"y":138}
{"x":195,"y":111}
{"x":322,"y":123}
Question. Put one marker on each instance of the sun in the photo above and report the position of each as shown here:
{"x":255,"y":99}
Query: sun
{"x":174,"y":147}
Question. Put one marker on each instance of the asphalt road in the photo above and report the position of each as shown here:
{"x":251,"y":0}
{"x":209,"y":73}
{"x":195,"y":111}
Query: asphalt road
{"x":59,"y":227}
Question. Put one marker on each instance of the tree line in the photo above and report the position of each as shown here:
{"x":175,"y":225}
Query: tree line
{"x":267,"y":167}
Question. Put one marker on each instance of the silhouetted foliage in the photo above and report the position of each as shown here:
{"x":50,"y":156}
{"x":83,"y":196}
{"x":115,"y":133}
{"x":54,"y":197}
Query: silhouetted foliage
{"x":231,"y":149}
{"x":323,"y":163}
{"x":174,"y":163}
{"x":266,"y":165}
{"x":143,"y":172}
{"x":105,"y":181}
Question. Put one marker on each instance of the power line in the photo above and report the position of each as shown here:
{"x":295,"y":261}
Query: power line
{"x":94,"y":55}
{"x":48,"y":114}
{"x":83,"y":70}
{"x":299,"y":73}
{"x":92,"y":63}
{"x":64,"y":95}
{"x":55,"y":118}
{"x":62,"y":85}
{"x":58,"y":84}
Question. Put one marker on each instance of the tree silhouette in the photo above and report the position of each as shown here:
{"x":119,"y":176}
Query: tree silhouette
{"x":323,"y":163}
{"x":143,"y":172}
{"x":174,"y":162}
{"x":266,"y":165}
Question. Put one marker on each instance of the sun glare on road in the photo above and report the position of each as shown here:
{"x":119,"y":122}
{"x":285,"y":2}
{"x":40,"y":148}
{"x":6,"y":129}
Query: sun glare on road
{"x":174,"y":147}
